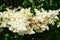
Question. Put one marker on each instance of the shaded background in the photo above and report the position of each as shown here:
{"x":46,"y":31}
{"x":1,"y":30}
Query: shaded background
{"x":52,"y":34}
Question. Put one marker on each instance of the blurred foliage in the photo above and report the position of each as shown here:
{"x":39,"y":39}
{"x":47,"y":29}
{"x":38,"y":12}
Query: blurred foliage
{"x":52,"y":34}
{"x":46,"y":4}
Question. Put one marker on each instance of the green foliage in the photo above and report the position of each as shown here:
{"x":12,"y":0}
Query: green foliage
{"x":52,"y":34}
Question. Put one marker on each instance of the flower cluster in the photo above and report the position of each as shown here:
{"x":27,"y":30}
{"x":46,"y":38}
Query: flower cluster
{"x":44,"y":18}
{"x":23,"y":21}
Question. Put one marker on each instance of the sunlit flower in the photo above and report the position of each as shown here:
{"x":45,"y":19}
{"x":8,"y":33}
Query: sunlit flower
{"x":23,"y":21}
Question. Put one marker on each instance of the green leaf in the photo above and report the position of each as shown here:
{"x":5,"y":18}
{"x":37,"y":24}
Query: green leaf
{"x":31,"y":1}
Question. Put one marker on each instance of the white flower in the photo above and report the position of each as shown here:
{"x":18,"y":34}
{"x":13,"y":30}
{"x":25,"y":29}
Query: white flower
{"x":22,"y":21}
{"x":16,"y":21}
{"x":44,"y":18}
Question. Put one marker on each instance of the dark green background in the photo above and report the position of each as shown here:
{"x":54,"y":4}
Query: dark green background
{"x":52,"y":34}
